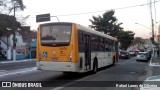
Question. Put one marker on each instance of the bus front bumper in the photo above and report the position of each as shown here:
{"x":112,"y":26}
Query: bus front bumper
{"x":57,"y":66}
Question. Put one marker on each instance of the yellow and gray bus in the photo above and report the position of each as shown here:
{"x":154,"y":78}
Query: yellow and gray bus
{"x":70,"y":47}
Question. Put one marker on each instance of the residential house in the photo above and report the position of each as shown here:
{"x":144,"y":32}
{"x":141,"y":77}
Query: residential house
{"x":25,"y":44}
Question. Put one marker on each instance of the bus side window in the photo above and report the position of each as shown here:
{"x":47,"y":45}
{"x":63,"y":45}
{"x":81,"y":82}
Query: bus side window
{"x":108,"y":46}
{"x":113,"y":46}
{"x":93,"y":43}
{"x":80,"y":41}
{"x":97,"y":43}
{"x":101,"y":44}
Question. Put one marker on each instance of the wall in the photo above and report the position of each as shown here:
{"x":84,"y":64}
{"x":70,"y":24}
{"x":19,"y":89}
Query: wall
{"x":22,"y":52}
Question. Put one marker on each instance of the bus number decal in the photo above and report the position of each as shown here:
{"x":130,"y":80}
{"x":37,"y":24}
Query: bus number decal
{"x":62,"y":53}
{"x":62,"y":48}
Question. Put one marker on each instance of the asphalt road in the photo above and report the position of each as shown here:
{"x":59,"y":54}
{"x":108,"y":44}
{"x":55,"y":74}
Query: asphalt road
{"x":9,"y":65}
{"x":124,"y":70}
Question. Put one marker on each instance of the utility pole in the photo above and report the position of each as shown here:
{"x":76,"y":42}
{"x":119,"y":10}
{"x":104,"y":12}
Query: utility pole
{"x":14,"y":38}
{"x":159,"y":40}
{"x":152,"y":24}
{"x":152,"y":19}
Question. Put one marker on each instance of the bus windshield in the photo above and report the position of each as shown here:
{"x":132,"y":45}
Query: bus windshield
{"x":55,"y":35}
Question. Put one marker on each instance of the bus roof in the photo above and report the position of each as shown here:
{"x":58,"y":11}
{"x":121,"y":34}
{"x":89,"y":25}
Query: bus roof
{"x":83,"y":28}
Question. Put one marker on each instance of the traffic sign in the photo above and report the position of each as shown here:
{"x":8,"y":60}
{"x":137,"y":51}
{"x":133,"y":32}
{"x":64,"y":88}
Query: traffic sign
{"x":43,"y":17}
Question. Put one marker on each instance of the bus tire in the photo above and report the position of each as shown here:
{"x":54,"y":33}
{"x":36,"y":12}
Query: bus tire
{"x":95,"y":66}
{"x":66,"y":73}
{"x":113,"y":61}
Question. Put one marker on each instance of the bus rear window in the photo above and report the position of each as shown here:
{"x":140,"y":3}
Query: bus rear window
{"x":55,"y":35}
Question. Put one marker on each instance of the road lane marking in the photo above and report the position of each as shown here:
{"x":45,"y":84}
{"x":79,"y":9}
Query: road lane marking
{"x":3,"y":70}
{"x":18,"y":71}
{"x":74,"y":82}
{"x":153,"y":64}
{"x":126,"y":61}
{"x":65,"y":85}
{"x":5,"y":62}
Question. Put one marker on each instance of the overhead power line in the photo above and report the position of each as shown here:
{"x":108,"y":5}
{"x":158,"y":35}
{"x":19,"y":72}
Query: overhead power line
{"x":110,"y":9}
{"x":106,"y":10}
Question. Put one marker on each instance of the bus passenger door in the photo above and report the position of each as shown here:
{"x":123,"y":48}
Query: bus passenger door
{"x":87,"y":41}
{"x":117,"y":51}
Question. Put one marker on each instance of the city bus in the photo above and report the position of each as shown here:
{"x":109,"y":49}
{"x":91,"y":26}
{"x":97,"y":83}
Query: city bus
{"x":71,"y":47}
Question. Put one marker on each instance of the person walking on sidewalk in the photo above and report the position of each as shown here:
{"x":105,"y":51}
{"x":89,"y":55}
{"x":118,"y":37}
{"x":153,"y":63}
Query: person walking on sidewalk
{"x":158,"y":53}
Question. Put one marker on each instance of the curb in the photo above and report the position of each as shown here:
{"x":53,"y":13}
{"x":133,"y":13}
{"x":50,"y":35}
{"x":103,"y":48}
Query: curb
{"x":153,"y":64}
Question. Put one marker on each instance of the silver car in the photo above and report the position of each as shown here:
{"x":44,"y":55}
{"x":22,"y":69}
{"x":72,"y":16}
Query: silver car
{"x":142,"y":56}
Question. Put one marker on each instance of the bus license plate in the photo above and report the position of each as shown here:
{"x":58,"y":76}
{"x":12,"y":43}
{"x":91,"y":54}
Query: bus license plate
{"x":54,"y":60}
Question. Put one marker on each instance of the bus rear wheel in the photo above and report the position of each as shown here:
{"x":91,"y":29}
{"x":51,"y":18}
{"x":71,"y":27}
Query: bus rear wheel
{"x":95,"y":67}
{"x":114,"y":60}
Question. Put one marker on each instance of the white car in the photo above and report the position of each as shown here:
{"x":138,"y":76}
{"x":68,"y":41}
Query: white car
{"x":154,"y":85}
{"x":143,"y":56}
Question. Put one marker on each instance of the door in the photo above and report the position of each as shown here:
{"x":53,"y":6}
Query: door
{"x":87,"y":41}
{"x":117,"y":51}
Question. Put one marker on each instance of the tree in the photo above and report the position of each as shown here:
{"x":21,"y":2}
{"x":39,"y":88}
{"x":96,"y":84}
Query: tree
{"x":106,"y":23}
{"x":125,"y":38}
{"x":2,"y":5}
{"x":138,"y":40}
{"x":18,"y":4}
{"x":23,"y":19}
{"x":7,"y":6}
{"x":8,"y":22}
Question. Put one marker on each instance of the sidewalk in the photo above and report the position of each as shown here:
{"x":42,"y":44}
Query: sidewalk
{"x":155,"y":60}
{"x":155,"y":65}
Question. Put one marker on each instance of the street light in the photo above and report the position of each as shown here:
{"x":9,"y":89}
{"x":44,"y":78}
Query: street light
{"x":148,"y":28}
{"x":152,"y":33}
{"x":143,"y":26}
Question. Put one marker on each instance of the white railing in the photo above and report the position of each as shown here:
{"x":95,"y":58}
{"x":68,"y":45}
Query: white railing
{"x":6,"y":50}
{"x":3,"y":45}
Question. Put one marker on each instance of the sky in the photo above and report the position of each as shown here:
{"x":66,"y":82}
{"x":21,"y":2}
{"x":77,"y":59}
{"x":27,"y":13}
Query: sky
{"x":65,"y":10}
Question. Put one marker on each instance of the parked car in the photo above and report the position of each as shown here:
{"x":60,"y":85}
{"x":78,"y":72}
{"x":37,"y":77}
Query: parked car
{"x":144,"y":56}
{"x":132,"y":53}
{"x":150,"y":83}
{"x":124,"y":54}
{"x":150,"y":53}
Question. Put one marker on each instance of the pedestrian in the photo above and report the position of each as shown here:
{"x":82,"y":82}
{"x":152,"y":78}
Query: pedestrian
{"x":158,"y":52}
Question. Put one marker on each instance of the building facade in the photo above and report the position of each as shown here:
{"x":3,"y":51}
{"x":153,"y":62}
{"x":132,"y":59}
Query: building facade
{"x":25,"y":45}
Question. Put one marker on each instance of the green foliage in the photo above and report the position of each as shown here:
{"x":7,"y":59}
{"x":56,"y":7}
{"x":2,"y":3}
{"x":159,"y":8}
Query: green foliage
{"x":9,"y":22}
{"x":125,"y":38}
{"x":2,"y":5}
{"x":18,"y":5}
{"x":107,"y":23}
{"x":7,"y":6}
{"x":138,"y":40}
